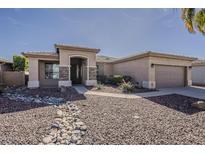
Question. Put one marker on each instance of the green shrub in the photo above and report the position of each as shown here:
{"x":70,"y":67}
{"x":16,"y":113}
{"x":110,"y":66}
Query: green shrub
{"x":117,"y":79}
{"x":127,"y":87}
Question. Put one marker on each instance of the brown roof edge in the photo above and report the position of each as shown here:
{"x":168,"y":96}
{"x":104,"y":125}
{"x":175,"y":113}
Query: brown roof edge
{"x":154,"y":54}
{"x":198,"y":63}
{"x":40,"y":54}
{"x":2,"y":60}
{"x":77,"y":48}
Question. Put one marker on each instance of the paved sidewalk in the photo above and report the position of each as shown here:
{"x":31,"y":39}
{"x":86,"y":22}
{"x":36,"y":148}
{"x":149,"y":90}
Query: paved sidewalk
{"x":194,"y":91}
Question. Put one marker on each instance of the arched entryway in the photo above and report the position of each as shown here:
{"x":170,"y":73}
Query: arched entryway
{"x":78,"y":69}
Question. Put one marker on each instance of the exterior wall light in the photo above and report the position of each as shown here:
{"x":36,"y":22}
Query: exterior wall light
{"x":152,"y":65}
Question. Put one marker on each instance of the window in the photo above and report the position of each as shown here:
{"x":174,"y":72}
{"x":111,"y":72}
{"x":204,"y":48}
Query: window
{"x":51,"y":71}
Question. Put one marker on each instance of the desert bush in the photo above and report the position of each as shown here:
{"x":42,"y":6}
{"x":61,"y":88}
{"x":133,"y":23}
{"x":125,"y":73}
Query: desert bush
{"x":99,"y":86}
{"x":127,"y":87}
{"x":116,"y":79}
{"x":127,"y":78}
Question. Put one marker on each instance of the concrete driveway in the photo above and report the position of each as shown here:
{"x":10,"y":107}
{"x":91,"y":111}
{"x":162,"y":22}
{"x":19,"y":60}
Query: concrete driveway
{"x":193,"y":91}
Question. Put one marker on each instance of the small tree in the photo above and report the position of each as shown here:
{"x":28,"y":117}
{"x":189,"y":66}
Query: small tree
{"x":20,"y":63}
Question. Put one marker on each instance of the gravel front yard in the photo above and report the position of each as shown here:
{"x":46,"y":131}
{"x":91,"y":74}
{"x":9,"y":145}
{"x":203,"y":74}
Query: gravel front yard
{"x":23,"y":123}
{"x":160,"y":120}
{"x":26,"y":122}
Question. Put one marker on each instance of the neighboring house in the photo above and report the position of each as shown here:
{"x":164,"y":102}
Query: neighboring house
{"x":78,"y":65}
{"x":198,"y":72}
{"x":5,"y":65}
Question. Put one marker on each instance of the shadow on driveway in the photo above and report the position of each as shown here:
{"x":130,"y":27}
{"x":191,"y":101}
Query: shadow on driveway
{"x":177,"y":102}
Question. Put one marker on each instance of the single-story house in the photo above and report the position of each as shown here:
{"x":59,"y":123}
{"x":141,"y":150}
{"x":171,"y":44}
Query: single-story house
{"x":78,"y":65}
{"x":66,"y":66}
{"x":198,"y":72}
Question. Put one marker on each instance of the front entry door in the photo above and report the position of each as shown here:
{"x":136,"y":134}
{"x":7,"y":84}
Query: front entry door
{"x":76,"y":76}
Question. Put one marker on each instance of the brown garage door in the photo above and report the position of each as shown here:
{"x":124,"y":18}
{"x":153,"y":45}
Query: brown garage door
{"x":169,"y":76}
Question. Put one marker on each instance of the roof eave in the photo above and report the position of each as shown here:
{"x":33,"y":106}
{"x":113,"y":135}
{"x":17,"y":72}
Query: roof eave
{"x":76,"y":48}
{"x":35,"y":55}
{"x":154,"y":54}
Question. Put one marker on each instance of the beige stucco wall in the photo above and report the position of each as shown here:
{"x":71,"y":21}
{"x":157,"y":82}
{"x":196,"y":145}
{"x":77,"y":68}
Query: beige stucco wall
{"x":64,"y":56}
{"x":43,"y":81}
{"x":137,"y":69}
{"x":33,"y":69}
{"x":108,"y":69}
{"x":198,"y":75}
{"x":13,"y":78}
{"x":105,"y":68}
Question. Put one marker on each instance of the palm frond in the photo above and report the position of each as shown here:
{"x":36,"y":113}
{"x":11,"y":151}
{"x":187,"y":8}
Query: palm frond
{"x":188,"y":17}
{"x":200,"y":21}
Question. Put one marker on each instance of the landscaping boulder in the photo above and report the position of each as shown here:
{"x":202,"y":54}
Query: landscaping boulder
{"x":199,"y":104}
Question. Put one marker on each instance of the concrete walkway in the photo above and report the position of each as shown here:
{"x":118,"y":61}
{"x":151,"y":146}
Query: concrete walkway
{"x":83,"y":90}
{"x":194,"y":91}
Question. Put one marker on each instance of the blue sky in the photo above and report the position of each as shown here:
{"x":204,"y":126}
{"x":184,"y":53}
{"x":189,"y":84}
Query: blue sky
{"x":117,"y":32}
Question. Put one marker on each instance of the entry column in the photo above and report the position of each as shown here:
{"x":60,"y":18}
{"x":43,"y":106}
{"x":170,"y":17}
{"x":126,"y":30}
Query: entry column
{"x":91,"y":76}
{"x":64,"y":76}
{"x":33,"y":73}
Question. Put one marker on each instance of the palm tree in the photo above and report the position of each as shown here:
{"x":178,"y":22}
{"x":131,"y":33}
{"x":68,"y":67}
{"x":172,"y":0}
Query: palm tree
{"x":194,"y":20}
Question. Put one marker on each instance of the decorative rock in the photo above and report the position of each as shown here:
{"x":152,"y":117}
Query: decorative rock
{"x":199,"y":105}
{"x":74,"y":139}
{"x":53,"y":131}
{"x":67,"y":127}
{"x":59,"y":113}
{"x":136,"y":117}
{"x":64,"y":135}
{"x":55,"y":125}
{"x":47,"y":139}
{"x":83,"y":128}
{"x":79,"y":123}
{"x":35,"y":99}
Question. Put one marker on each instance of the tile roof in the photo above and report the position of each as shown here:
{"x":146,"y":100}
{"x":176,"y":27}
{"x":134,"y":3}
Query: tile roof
{"x":199,"y":62}
{"x":74,"y":47}
{"x":2,"y":60}
{"x":40,"y":53}
{"x":152,"y":53}
{"x":105,"y":59}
